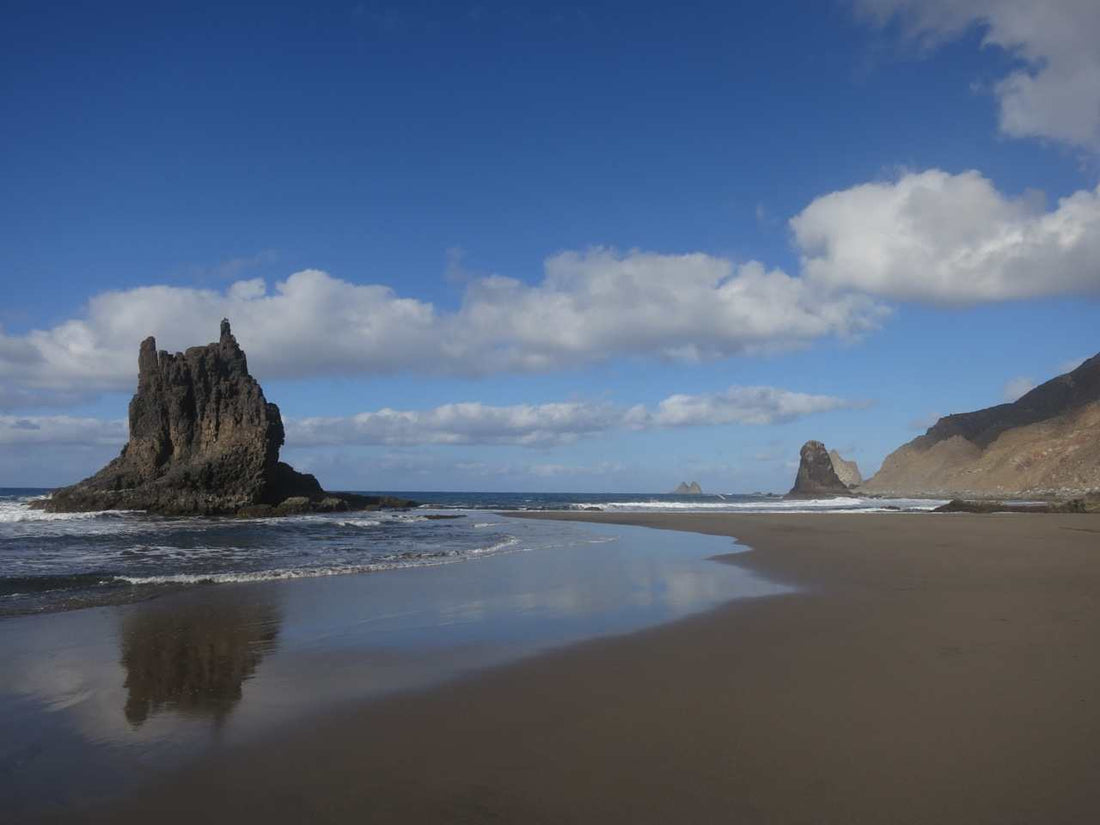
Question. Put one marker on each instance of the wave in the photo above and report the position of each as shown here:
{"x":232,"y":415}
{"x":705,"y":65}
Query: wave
{"x":837,"y":504}
{"x":20,"y":511}
{"x":12,"y":586}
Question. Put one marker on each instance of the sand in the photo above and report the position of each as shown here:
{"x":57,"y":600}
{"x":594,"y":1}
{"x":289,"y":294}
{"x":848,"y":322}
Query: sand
{"x":932,"y":669}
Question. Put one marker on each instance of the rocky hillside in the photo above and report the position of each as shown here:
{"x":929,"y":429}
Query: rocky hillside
{"x":203,"y":440}
{"x":1045,"y":443}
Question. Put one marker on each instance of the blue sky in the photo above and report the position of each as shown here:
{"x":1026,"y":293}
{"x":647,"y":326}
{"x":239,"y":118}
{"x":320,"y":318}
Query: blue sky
{"x":641,"y":243}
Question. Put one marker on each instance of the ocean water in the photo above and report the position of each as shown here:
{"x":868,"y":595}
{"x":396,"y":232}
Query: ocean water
{"x":52,"y":562}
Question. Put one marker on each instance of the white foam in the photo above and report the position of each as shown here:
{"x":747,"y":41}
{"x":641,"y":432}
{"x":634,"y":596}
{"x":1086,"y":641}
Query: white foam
{"x":818,"y":505}
{"x":281,"y":574}
{"x":20,"y":511}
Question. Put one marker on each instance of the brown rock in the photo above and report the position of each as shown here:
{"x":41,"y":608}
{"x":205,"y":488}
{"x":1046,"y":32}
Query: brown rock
{"x":203,"y":441}
{"x":816,"y":476}
{"x":1047,"y":443}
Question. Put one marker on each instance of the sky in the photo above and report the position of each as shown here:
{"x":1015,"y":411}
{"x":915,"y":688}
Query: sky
{"x":601,"y":247}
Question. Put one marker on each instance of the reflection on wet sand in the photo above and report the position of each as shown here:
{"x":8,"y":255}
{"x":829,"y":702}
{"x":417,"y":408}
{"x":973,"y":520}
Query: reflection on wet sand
{"x":194,"y":658}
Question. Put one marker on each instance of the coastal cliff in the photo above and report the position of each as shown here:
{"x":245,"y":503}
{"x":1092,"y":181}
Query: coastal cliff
{"x":203,"y":441}
{"x":846,"y":471}
{"x":1045,"y":443}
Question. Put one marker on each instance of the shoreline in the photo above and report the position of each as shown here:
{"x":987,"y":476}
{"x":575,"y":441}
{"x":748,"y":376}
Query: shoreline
{"x":929,"y":669}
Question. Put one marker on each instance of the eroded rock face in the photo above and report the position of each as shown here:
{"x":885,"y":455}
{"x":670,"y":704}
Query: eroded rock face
{"x":846,"y":471}
{"x":1045,"y":443}
{"x":816,"y":476}
{"x":203,"y":440}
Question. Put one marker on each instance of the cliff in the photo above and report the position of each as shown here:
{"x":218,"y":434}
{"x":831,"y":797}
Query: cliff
{"x":1045,"y":443}
{"x":846,"y":471}
{"x":816,"y":475}
{"x":203,"y":441}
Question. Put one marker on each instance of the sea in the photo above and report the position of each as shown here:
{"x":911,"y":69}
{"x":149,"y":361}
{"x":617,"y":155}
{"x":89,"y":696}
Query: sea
{"x":52,"y":561}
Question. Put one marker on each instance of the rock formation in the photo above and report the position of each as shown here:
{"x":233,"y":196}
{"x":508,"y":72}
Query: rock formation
{"x":846,"y":471}
{"x":1045,"y":443}
{"x":816,"y":475}
{"x":203,"y":441}
{"x":685,"y":489}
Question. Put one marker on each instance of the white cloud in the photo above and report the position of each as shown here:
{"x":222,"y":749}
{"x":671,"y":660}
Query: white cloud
{"x":946,"y":238}
{"x":589,"y":306}
{"x":60,"y":429}
{"x":742,"y":405}
{"x":526,"y":425}
{"x":1054,"y":92}
{"x":545,"y":425}
{"x":1016,"y":387}
{"x":465,"y":423}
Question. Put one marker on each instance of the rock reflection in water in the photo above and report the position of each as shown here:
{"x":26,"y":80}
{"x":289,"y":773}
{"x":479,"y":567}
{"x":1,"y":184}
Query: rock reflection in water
{"x":194,"y":658}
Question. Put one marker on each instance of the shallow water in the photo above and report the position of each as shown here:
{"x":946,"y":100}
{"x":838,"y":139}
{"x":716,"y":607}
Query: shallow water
{"x":63,"y":561}
{"x":99,"y":699}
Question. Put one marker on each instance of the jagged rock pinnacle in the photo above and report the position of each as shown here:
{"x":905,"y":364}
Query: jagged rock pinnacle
{"x":816,"y":475}
{"x":203,"y":439}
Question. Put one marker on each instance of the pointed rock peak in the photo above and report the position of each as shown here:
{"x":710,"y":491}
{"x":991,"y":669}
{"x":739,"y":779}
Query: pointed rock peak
{"x":147,"y":359}
{"x":227,"y":333}
{"x":816,"y":475}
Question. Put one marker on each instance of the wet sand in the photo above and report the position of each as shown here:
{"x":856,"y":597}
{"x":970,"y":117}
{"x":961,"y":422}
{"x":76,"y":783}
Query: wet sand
{"x":931,"y":669}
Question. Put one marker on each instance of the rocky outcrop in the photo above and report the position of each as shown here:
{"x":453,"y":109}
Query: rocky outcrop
{"x":816,"y":475}
{"x":685,"y":489}
{"x":1076,"y":505}
{"x":1045,"y":444}
{"x":846,"y":471}
{"x":203,"y":441}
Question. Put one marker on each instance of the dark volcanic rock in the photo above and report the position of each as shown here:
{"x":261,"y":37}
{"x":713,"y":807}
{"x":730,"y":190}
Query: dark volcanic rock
{"x":956,"y":505}
{"x":203,"y":440}
{"x":816,"y":476}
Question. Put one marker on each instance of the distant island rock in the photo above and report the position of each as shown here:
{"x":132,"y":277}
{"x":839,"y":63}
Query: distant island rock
{"x":1047,"y":443}
{"x":203,"y":441}
{"x":685,"y":489}
{"x":846,"y":471}
{"x":816,"y":474}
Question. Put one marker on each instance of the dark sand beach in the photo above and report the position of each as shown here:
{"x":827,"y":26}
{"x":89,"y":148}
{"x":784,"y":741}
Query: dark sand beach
{"x":930,"y":669}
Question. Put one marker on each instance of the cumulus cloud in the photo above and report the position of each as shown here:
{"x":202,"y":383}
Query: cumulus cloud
{"x":526,"y":425}
{"x":1016,"y":387}
{"x":542,"y":425}
{"x":945,"y":238}
{"x":60,"y":429}
{"x":1054,"y":91}
{"x":588,"y":307}
{"x":742,"y":405}
{"x":466,"y":423}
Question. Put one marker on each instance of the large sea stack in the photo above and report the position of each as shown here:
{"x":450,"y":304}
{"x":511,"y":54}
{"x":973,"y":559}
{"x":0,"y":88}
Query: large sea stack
{"x":816,"y":474}
{"x":1047,"y":443}
{"x":203,"y":441}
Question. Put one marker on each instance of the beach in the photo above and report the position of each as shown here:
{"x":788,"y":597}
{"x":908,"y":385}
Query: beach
{"x":924,"y":668}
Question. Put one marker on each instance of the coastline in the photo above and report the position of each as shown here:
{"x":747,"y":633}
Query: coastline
{"x":929,"y":669}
